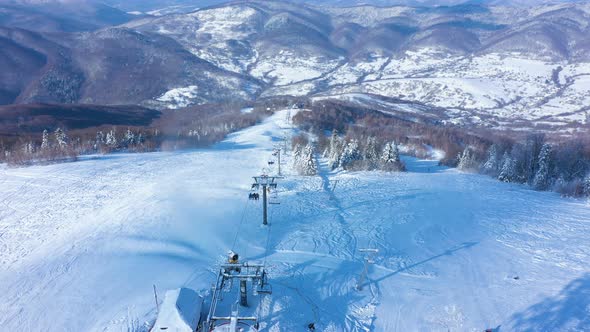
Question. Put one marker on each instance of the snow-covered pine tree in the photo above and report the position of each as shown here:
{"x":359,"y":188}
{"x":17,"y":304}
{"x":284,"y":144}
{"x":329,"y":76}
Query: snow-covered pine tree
{"x":371,"y":155}
{"x":390,"y":160}
{"x":542,"y":179}
{"x":492,"y":164}
{"x":334,"y":159}
{"x":350,"y":155}
{"x":99,"y":141}
{"x":129,"y":138}
{"x":395,"y":151}
{"x":466,"y":160}
{"x":335,"y":150}
{"x":333,"y":144}
{"x":297,"y":156}
{"x":309,"y":166}
{"x":61,"y":138}
{"x":508,"y":170}
{"x":587,"y":186}
{"x":45,"y":140}
{"x":29,"y":148}
{"x":387,"y":153}
{"x":111,"y":139}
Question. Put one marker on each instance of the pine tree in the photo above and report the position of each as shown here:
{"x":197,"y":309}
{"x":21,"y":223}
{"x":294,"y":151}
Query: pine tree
{"x":29,"y":148}
{"x":61,"y":138}
{"x":350,"y":155}
{"x":334,"y":142}
{"x":543,"y":176}
{"x":308,"y":164}
{"x":532,"y":148}
{"x":111,"y":139}
{"x":129,"y":138}
{"x":297,"y":156}
{"x":98,"y":141}
{"x":386,"y":156}
{"x":390,"y":160}
{"x":587,"y":186}
{"x":466,"y":160}
{"x":334,"y":159}
{"x":396,"y":158}
{"x":508,"y":171}
{"x":492,"y":164}
{"x":45,"y":140}
{"x":371,"y":155}
{"x":335,"y":150}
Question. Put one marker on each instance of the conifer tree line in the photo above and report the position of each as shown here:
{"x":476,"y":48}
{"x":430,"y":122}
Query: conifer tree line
{"x":543,"y":165}
{"x":178,"y":130}
{"x":560,"y":164}
{"x":348,"y":154}
{"x":58,"y":145}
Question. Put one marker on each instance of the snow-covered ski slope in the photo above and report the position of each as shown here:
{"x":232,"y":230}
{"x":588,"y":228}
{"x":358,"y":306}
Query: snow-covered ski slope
{"x":82,"y":244}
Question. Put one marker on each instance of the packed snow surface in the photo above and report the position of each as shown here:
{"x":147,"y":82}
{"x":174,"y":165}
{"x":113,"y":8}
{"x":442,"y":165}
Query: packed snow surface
{"x":82,"y":244}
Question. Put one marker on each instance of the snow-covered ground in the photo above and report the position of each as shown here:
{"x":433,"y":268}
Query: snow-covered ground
{"x":82,"y":244}
{"x":181,"y":97}
{"x":285,"y":68}
{"x":487,"y":89}
{"x":493,"y":87}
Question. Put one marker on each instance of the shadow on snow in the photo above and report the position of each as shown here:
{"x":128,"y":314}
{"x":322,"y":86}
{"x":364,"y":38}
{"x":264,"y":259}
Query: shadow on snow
{"x":448,"y":252}
{"x":567,"y":311}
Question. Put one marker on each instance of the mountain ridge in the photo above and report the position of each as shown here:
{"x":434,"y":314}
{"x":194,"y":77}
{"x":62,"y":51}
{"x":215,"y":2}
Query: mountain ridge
{"x":482,"y":63}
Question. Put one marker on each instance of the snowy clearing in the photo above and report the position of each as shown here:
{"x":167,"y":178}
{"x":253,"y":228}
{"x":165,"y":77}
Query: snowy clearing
{"x":82,"y":244}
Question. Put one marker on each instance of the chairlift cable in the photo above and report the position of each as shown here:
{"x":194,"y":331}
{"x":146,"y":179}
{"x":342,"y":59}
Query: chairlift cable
{"x":240,"y":224}
{"x":268,"y":238}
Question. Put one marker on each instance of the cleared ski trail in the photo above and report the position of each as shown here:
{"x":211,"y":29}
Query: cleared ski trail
{"x":81,"y":244}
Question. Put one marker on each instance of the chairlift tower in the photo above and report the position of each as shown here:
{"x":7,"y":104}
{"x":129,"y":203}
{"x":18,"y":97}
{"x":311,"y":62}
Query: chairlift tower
{"x":266,"y":182}
{"x":277,"y":153}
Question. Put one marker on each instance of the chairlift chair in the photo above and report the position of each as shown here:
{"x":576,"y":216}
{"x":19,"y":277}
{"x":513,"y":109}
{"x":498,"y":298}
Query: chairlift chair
{"x":274,"y":198}
{"x":264,"y":287}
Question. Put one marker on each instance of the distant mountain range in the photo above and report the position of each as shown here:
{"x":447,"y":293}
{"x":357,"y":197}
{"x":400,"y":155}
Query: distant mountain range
{"x":62,"y":15}
{"x":154,"y":5}
{"x":460,"y":57}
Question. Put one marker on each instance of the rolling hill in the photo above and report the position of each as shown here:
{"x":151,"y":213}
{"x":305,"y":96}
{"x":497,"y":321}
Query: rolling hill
{"x":487,"y":65}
